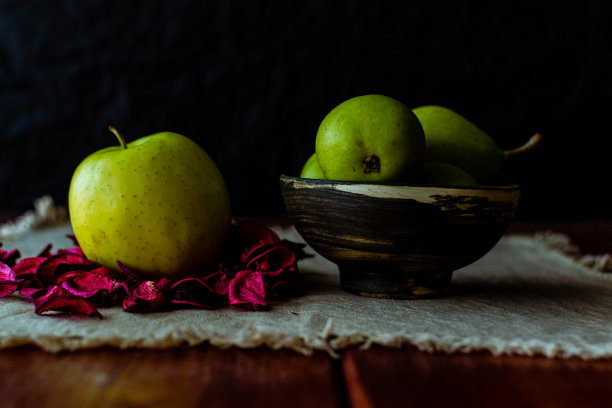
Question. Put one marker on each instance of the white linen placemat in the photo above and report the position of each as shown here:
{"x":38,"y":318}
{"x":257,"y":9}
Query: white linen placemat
{"x":530,"y":295}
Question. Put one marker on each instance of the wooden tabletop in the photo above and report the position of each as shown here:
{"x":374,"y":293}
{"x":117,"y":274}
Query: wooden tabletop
{"x":378,"y":377}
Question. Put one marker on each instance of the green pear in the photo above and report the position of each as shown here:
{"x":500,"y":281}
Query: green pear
{"x":451,"y":138}
{"x":311,"y":169}
{"x":444,"y":174}
{"x":370,"y":138}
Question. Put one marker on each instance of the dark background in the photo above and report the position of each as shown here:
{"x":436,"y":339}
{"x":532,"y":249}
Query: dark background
{"x":250,"y":81}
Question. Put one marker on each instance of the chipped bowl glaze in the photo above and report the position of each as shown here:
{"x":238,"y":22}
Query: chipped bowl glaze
{"x":398,"y":241}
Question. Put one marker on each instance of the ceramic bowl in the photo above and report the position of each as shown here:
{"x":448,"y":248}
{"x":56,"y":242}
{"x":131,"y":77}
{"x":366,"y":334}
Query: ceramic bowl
{"x":398,"y":241}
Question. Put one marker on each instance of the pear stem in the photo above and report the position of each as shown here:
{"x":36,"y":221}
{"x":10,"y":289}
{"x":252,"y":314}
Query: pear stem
{"x":531,"y":144}
{"x":116,"y":132}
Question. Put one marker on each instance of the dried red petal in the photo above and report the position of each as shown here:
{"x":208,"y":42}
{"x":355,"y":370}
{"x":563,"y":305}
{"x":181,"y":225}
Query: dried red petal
{"x":9,"y":258}
{"x":254,"y":252}
{"x":30,"y":287}
{"x":254,"y":234}
{"x":162,"y":283}
{"x":53,"y":267}
{"x":298,"y":249}
{"x":247,"y":291}
{"x":28,"y":266}
{"x":76,"y":251}
{"x":254,"y":237}
{"x":128,"y":275}
{"x":195,"y":292}
{"x":73,"y":238}
{"x":8,"y":282}
{"x":146,"y":297}
{"x":255,"y":264}
{"x":25,"y":272}
{"x":278,"y":264}
{"x":59,"y":299}
{"x":281,"y":284}
{"x":250,"y":253}
{"x":6,"y":273}
{"x":99,"y":285}
{"x":274,"y":260}
{"x":221,"y":286}
{"x":45,"y":252}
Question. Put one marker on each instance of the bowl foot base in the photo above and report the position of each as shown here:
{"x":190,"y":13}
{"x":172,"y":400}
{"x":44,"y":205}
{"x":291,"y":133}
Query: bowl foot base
{"x":395,"y":285}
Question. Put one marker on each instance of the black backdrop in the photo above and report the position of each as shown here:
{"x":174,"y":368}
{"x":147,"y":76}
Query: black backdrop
{"x":250,"y":81}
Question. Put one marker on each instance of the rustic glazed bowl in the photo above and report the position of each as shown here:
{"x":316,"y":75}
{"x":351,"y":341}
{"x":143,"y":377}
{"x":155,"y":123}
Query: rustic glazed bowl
{"x":398,"y":241}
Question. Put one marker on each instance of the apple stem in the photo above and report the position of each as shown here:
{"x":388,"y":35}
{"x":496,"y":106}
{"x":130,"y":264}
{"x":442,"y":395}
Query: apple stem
{"x":116,"y":132}
{"x":531,"y":144}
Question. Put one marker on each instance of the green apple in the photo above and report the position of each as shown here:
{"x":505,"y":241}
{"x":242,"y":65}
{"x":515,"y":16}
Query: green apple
{"x":311,"y":169}
{"x":370,"y":138}
{"x":158,"y":205}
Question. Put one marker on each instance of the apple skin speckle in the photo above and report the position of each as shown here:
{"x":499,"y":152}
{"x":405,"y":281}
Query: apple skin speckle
{"x":171,"y":193}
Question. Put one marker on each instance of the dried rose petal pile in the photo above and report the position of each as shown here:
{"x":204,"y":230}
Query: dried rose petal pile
{"x":256,"y":265}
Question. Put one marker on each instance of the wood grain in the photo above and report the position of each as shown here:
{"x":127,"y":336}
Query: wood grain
{"x":398,"y":241}
{"x":187,"y":377}
{"x":385,"y":377}
{"x":379,"y":377}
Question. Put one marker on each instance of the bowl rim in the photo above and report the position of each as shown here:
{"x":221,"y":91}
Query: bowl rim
{"x":314,"y":182}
